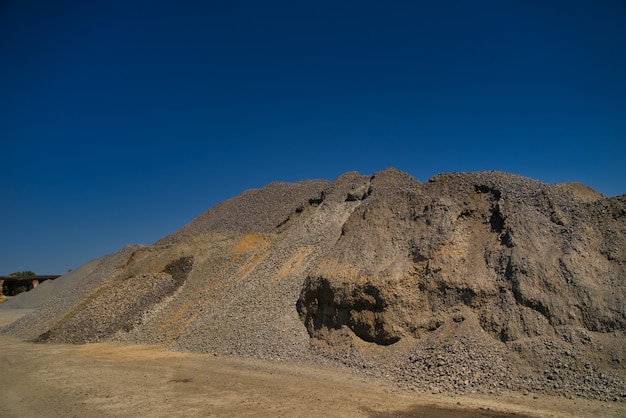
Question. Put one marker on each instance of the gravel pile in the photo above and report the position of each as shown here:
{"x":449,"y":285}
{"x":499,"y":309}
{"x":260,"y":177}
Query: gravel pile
{"x":489,"y":282}
{"x":259,"y":210}
{"x":69,"y":297}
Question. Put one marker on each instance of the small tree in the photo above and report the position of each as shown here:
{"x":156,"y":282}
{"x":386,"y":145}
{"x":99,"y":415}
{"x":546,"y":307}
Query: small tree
{"x":25,"y":273}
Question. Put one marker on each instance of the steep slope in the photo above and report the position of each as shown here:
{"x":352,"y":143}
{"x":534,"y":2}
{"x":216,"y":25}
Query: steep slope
{"x":524,"y":256}
{"x":255,"y":210}
{"x":476,"y":281}
{"x":486,"y":272}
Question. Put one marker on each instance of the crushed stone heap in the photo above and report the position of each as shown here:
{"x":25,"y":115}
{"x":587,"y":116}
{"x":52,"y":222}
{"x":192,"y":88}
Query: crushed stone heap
{"x":480,"y":281}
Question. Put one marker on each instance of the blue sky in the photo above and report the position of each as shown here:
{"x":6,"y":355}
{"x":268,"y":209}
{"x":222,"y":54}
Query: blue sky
{"x":121,"y":121}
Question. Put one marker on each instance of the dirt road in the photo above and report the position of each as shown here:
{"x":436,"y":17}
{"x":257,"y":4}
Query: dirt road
{"x":107,"y":380}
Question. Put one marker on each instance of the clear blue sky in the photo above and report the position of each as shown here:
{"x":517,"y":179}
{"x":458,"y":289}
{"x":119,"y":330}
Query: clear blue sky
{"x":120,"y":121}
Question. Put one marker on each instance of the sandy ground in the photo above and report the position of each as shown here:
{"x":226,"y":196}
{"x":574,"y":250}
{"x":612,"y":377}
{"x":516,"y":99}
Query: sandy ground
{"x":108,"y":380}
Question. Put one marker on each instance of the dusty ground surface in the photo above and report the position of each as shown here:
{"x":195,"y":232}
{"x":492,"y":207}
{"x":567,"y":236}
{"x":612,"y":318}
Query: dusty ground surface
{"x":111,"y":380}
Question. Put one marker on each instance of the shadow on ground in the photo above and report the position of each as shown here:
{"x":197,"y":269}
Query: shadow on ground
{"x":434,"y":412}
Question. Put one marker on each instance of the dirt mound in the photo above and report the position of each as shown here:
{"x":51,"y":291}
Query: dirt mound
{"x":527,"y":258}
{"x":469,"y":282}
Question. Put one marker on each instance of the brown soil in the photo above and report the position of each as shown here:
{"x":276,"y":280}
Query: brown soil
{"x":100,"y":380}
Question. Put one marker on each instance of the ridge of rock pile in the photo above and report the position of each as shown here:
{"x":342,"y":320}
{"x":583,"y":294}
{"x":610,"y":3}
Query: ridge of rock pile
{"x":470,"y":282}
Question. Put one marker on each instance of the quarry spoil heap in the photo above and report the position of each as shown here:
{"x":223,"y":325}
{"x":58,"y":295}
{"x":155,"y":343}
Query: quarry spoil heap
{"x":470,"y":282}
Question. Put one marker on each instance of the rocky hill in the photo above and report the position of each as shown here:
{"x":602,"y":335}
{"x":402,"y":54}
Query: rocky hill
{"x":469,"y":282}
